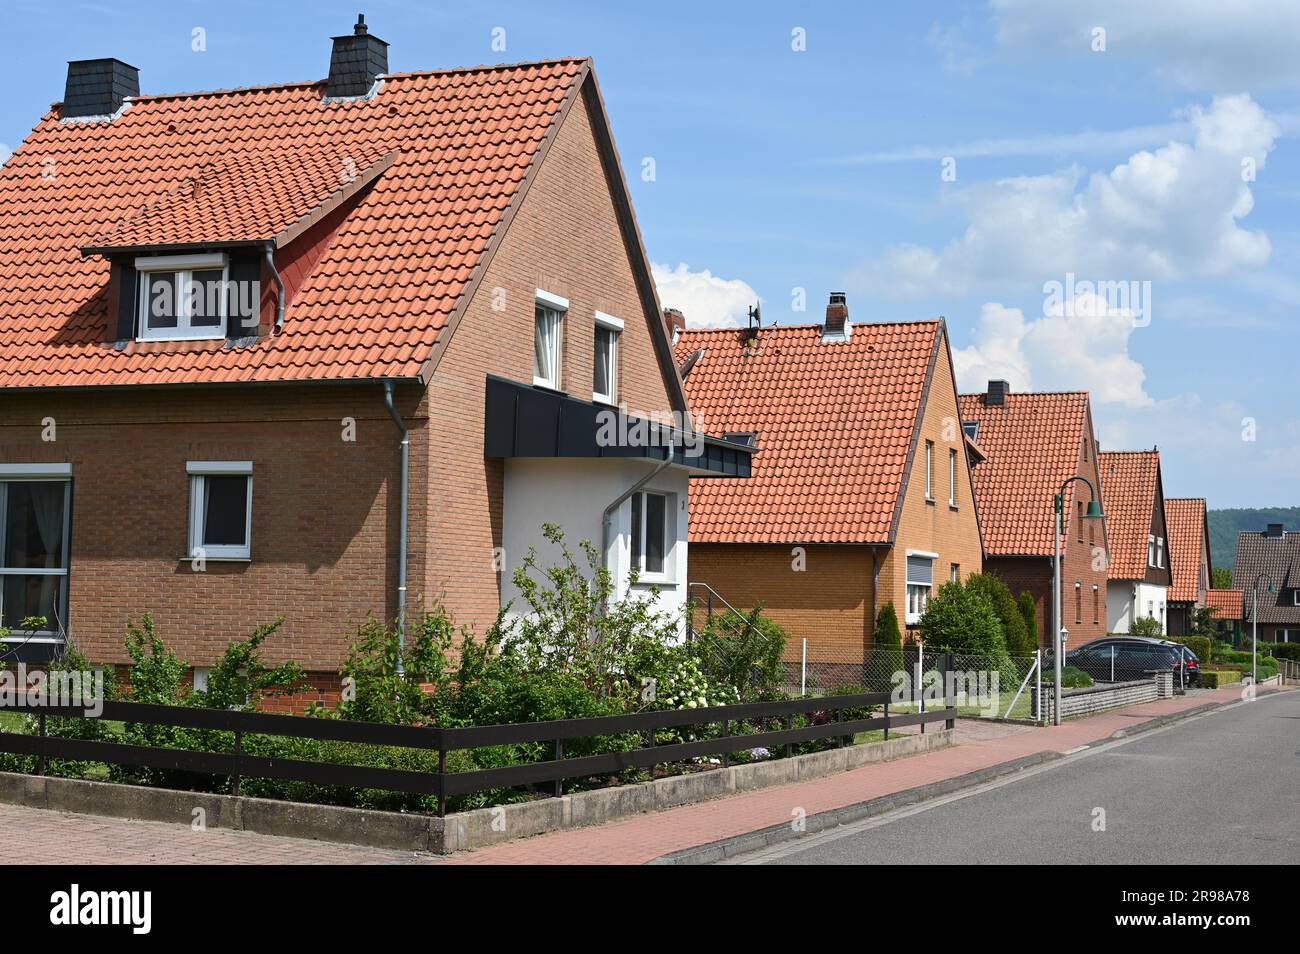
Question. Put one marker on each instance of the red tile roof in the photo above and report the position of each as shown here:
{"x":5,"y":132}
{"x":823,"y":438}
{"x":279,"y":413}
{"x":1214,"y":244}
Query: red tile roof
{"x":381,"y":294}
{"x":1129,"y":483}
{"x":1185,"y":524}
{"x":1226,"y":602}
{"x":252,"y":197}
{"x":834,"y":422}
{"x":1031,"y":445}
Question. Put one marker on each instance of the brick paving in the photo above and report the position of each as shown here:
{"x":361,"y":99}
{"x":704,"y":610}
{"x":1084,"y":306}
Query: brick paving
{"x":62,"y":838}
{"x":59,"y":838}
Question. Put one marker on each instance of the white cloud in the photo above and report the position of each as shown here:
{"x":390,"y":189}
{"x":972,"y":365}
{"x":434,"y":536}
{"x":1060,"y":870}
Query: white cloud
{"x":706,"y":300}
{"x":1167,"y":214}
{"x":1071,"y":349}
{"x":1199,"y":44}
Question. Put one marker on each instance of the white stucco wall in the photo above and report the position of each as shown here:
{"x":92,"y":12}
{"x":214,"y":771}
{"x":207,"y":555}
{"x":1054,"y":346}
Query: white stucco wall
{"x":574,"y":494}
{"x":1124,"y":599}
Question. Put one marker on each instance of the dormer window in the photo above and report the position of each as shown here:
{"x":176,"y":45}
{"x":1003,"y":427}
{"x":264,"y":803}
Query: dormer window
{"x":181,"y":297}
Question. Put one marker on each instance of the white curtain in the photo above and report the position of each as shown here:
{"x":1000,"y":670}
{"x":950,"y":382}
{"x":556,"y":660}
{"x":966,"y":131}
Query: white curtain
{"x":47,"y":505}
{"x":546,"y":346}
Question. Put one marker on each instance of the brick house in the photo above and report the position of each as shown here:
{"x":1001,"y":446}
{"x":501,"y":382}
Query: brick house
{"x":1031,"y":444}
{"x":1271,"y":555}
{"x":1227,"y":613}
{"x":860,"y":493}
{"x":324,"y":350}
{"x":1139,"y":576}
{"x":1189,"y":561}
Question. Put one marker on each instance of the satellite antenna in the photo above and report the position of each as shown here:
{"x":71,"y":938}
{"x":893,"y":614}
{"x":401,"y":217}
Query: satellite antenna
{"x":755,"y":321}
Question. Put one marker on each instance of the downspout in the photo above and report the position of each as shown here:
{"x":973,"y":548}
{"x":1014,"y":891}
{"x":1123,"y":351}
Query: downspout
{"x":607,"y":518}
{"x":279,"y":284}
{"x":401,"y":542}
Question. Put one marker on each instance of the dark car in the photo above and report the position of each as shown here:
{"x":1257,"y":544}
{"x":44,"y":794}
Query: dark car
{"x":1126,"y":658}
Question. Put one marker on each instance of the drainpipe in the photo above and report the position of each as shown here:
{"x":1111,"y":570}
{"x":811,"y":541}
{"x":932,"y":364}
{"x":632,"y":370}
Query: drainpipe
{"x":401,"y":543}
{"x":607,"y":518}
{"x":279,"y":284}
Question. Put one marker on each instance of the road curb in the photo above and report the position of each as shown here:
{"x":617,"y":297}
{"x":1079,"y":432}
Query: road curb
{"x":715,"y":851}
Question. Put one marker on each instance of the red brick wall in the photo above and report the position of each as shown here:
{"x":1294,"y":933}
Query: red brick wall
{"x":565,"y":240}
{"x":323,"y":519}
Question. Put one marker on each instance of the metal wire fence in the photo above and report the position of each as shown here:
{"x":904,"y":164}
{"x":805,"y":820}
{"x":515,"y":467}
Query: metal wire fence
{"x":991,"y":687}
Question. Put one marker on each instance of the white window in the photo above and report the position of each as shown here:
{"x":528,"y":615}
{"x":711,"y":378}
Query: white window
{"x":972,"y":429}
{"x":34,"y":519}
{"x":181,"y":297}
{"x":1151,"y":550}
{"x":952,"y":478}
{"x":548,"y":319}
{"x":920,"y":580}
{"x":929,"y":470}
{"x":1160,"y":552}
{"x":605,"y":376}
{"x":651,"y":535}
{"x":1295,"y":597}
{"x":221,"y":509}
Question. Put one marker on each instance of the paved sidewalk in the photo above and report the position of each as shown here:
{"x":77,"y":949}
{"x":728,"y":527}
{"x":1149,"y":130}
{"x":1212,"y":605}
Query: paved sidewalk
{"x":64,"y":838}
{"x":980,"y":745}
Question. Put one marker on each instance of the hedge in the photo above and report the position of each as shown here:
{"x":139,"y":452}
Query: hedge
{"x":1214,"y":678}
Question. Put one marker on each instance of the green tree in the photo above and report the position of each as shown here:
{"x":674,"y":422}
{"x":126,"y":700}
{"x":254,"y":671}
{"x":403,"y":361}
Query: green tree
{"x":1221,"y":578}
{"x":962,"y":619}
{"x":1004,"y":604}
{"x":887,"y":635}
{"x":1029,"y":612}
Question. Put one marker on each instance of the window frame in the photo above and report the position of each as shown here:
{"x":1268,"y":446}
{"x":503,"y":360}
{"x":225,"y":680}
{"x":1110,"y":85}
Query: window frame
{"x":1151,"y":549}
{"x":1160,"y":553}
{"x":199,"y":471}
{"x":929,"y":471}
{"x":952,"y":477}
{"x":547,"y":303}
{"x":917,"y":591}
{"x":614,"y":327}
{"x":637,"y":537}
{"x":181,"y":265}
{"x":60,"y":473}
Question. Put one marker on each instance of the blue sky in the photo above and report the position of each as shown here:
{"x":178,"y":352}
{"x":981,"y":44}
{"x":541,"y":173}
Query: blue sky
{"x":778,"y":169}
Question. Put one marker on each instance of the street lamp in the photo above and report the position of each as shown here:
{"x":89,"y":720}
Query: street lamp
{"x":1093,"y":512}
{"x":1254,"y":622}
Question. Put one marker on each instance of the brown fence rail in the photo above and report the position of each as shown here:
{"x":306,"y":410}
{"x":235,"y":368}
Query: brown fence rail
{"x":442,"y":783}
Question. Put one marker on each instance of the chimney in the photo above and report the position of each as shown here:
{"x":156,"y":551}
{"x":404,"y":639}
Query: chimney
{"x":1274,"y":530}
{"x":675,"y":322}
{"x":837,"y":326}
{"x":98,"y":87}
{"x":356,"y":61}
{"x":997,"y":393}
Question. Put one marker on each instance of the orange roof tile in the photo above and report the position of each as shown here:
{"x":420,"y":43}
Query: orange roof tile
{"x":834,"y":423}
{"x":1130,"y":481}
{"x":1185,"y":524}
{"x":380,"y":295}
{"x":1031,"y":446}
{"x":251,"y":197}
{"x":1226,"y":602}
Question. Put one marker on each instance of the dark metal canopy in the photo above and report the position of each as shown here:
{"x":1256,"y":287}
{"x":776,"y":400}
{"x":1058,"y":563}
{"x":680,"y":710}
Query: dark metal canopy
{"x":526,"y":421}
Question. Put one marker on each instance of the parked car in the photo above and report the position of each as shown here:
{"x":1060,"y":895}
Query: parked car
{"x":1124,"y":658}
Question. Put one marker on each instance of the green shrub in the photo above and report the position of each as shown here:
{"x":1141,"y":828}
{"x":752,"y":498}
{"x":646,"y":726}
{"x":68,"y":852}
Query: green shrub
{"x":745,"y":655}
{"x":1029,"y":613}
{"x":1015,"y":635}
{"x":1074,"y":678}
{"x":1285,"y":650}
{"x":1146,"y":626}
{"x":962,"y":619}
{"x":1214,"y":678}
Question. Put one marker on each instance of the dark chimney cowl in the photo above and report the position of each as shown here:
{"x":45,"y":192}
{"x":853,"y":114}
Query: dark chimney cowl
{"x":1274,"y":530}
{"x":356,"y":61}
{"x":98,"y":87}
{"x":997,"y":393}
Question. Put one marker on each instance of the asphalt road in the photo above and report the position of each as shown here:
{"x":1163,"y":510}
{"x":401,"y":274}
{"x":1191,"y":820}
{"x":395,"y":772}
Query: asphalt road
{"x":1218,"y":789}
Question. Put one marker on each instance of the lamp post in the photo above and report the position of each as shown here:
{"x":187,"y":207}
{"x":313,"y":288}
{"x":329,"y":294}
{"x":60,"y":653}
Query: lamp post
{"x":1254,"y":621}
{"x":1058,"y":648}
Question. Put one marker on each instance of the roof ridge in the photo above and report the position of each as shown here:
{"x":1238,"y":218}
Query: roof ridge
{"x":806,"y":326}
{"x":305,"y":84}
{"x":1011,"y":394}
